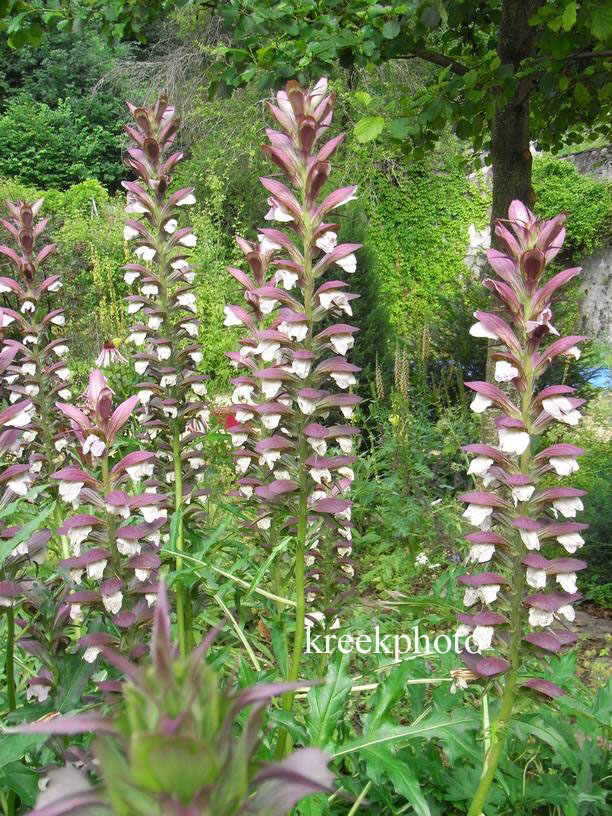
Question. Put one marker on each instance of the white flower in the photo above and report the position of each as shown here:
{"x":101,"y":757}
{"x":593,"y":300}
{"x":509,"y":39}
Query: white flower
{"x":129,"y":233}
{"x":481,"y":553}
{"x":27,"y":306}
{"x":522,"y":493}
{"x":189,"y":240}
{"x":94,"y":445}
{"x":574,"y":352}
{"x":69,"y":491}
{"x":242,"y":414}
{"x":238,"y":439}
{"x":187,"y":300}
{"x":113,"y":603}
{"x":145,"y":253}
{"x":571,"y":542}
{"x":140,"y":366}
{"x":137,"y":472}
{"x":320,"y":475}
{"x":281,"y":474}
{"x":277,"y":212}
{"x":76,"y":574}
{"x":20,"y":484}
{"x":347,"y":473}
{"x":568,"y":581}
{"x":536,"y":578}
{"x":28,"y":369}
{"x":63,"y":373}
{"x":567,"y":611}
{"x":150,"y":290}
{"x":163,"y":352}
{"x":563,"y":465}
{"x":318,"y":445}
{"x":422,"y":560}
{"x":269,"y":457}
{"x":513,"y":440}
{"x":342,"y":343}
{"x":470,"y":596}
{"x":61,"y":349}
{"x":167,"y":381}
{"x":568,"y":506}
{"x":327,"y":242}
{"x":480,"y":403}
{"x":150,"y":598}
{"x":180,"y":264}
{"x":65,"y":393}
{"x":76,"y":536}
{"x":187,"y":199}
{"x":129,"y":277}
{"x":127,"y":547}
{"x":301,"y":368}
{"x":171,"y":225}
{"x":343,"y":380}
{"x":483,"y":635}
{"x":242,"y":393}
{"x":6,"y":319}
{"x":20,"y":420}
{"x":242,"y":464}
{"x":479,"y":465}
{"x":270,"y":421}
{"x":76,"y":613}
{"x":540,"y":617}
{"x":504,"y":371}
{"x":477,"y":513}
{"x":294,"y":331}
{"x":264,"y":523}
{"x":38,"y":690}
{"x":151,"y":513}
{"x":349,"y":263}
{"x":95,"y":570}
{"x":345,"y":443}
{"x":144,"y":395}
{"x":286,"y":278}
{"x":307,"y":406}
{"x":271,"y":388}
{"x":142,"y":574}
{"x":347,"y":411}
{"x":530,"y":539}
{"x":561,"y":409}
{"x":246,"y":491}
{"x":266,"y":245}
{"x":480,"y":330}
{"x":191,"y":328}
{"x":488,"y":593}
{"x":91,"y":653}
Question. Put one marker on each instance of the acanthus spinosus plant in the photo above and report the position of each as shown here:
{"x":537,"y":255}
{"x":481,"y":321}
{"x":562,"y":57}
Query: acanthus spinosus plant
{"x":38,"y":373}
{"x":174,"y":413}
{"x":34,"y":374}
{"x":293,"y":445}
{"x":115,"y":535}
{"x":522,"y":524}
{"x":171,"y":747}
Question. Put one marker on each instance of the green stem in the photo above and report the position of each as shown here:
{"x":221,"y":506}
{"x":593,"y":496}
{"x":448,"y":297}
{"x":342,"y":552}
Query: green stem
{"x":283,"y":746}
{"x":10,"y":687}
{"x":499,"y":727}
{"x":183,"y":610}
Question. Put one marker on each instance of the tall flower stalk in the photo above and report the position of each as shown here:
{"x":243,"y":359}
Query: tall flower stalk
{"x":294,"y":471}
{"x":520,"y":529}
{"x":173,"y":411}
{"x":115,"y":535}
{"x":34,"y":373}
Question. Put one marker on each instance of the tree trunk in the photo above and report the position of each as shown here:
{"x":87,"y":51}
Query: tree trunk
{"x":510,"y":138}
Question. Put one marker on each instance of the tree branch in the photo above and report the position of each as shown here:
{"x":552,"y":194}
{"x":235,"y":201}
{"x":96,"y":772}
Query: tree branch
{"x":437,"y":59}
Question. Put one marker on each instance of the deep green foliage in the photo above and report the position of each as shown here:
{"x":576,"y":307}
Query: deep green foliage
{"x":54,"y":130}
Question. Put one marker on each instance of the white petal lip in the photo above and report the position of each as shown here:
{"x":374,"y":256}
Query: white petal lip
{"x":480,"y":403}
{"x":481,"y":553}
{"x":530,"y":539}
{"x":540,"y":617}
{"x":513,"y":440}
{"x":477,"y":513}
{"x":571,"y":542}
{"x":479,"y":465}
{"x":568,"y":581}
{"x":480,"y":330}
{"x":505,"y":371}
{"x":536,"y":578}
{"x":568,"y":506}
